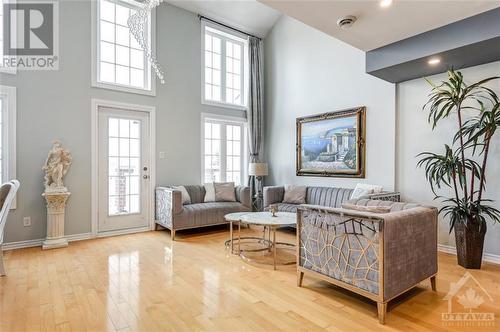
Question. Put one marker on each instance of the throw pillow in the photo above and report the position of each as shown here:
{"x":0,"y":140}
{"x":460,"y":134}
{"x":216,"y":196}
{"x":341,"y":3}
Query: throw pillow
{"x":186,"y":199}
{"x":363,"y":189}
{"x":373,"y":209}
{"x":224,"y":192}
{"x":209,"y":192}
{"x":295,"y":194}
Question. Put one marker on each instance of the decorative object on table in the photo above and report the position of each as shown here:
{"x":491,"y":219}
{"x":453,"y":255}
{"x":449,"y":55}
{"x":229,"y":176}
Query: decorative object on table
{"x":7,"y":194}
{"x":56,"y":194}
{"x":332,"y":144}
{"x":457,"y":167}
{"x":257,"y":171}
{"x":136,"y":22}
{"x":273,"y":209}
{"x":379,"y":256}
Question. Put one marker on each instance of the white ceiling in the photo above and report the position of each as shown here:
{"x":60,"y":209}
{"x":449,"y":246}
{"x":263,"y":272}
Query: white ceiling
{"x":247,"y":15}
{"x":378,"y":26}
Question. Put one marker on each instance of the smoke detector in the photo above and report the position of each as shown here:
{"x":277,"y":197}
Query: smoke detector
{"x":345,"y":22}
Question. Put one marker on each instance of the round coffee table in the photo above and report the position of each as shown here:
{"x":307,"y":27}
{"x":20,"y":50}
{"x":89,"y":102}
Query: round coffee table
{"x":269,"y":222}
{"x":235,"y":217}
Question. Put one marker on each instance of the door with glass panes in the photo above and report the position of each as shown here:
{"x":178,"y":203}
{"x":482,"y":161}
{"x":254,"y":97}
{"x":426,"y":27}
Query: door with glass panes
{"x":124,"y":163}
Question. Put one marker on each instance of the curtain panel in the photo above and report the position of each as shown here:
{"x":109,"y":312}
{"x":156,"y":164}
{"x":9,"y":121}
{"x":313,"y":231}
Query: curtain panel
{"x":255,"y":111}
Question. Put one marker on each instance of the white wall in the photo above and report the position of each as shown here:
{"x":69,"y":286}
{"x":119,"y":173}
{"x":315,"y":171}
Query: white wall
{"x":57,"y":104}
{"x":309,"y":72}
{"x":414,"y":135}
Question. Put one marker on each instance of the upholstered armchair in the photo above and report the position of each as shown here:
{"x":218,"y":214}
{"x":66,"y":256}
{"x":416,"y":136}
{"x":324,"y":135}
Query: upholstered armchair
{"x":377,"y":255}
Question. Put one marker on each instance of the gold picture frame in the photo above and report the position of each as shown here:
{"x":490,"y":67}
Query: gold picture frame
{"x":332,"y":144}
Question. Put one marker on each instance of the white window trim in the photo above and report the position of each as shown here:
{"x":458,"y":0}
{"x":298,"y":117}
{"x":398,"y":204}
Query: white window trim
{"x":245,"y":72}
{"x":224,"y":119}
{"x":95,"y":51}
{"x":9,"y":132}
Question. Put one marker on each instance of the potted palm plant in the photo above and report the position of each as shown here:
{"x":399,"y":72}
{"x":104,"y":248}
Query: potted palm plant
{"x":462,"y":165}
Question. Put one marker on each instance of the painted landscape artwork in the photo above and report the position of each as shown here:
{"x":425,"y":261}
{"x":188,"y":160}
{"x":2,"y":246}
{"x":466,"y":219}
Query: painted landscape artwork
{"x":328,"y":144}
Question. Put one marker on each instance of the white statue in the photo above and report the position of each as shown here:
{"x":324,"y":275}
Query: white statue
{"x":56,"y":166}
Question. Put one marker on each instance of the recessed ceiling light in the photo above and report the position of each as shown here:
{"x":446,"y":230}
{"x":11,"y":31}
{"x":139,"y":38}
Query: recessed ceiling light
{"x":434,"y":61}
{"x":385,"y":3}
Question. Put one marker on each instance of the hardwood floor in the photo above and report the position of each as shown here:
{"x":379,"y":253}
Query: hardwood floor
{"x":145,"y":282}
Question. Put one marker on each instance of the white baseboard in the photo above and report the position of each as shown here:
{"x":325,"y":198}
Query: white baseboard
{"x":491,"y":258}
{"x":22,"y":244}
{"x":124,"y":231}
{"x":71,"y":238}
{"x":38,"y":242}
{"x":79,"y":237}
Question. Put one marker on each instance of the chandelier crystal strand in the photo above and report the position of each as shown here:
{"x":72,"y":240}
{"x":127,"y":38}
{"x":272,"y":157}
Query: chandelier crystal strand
{"x":137,"y":23}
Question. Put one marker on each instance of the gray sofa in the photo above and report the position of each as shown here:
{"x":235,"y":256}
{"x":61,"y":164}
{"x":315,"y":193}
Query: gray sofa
{"x":377,"y":255}
{"x":171,"y":214}
{"x":324,"y":196}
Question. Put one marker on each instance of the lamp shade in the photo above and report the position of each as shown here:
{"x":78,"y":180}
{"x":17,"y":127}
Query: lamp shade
{"x":257,"y":169}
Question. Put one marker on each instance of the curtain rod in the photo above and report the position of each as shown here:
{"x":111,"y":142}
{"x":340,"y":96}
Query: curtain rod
{"x":227,"y":26}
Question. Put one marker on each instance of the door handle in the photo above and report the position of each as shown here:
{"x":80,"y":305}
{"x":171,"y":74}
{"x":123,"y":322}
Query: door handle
{"x":145,"y":177}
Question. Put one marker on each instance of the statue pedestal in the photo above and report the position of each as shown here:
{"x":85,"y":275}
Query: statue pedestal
{"x":56,"y":205}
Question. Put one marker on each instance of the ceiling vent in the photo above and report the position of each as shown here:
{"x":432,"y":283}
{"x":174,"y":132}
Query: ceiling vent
{"x":345,"y":22}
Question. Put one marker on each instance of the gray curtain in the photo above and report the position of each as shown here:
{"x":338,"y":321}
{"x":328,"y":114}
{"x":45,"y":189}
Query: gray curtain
{"x":255,"y":108}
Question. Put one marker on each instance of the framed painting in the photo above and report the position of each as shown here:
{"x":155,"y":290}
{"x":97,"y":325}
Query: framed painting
{"x":332,"y":144}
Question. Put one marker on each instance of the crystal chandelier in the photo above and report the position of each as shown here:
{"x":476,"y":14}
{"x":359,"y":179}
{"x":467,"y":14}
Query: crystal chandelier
{"x":137,"y":23}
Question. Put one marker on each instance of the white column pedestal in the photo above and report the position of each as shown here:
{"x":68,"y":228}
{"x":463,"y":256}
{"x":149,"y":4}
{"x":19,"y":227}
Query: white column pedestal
{"x":56,"y":205}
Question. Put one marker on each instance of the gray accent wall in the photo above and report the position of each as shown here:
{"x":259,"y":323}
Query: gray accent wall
{"x":309,"y":72}
{"x":414,"y":135}
{"x":57,"y":104}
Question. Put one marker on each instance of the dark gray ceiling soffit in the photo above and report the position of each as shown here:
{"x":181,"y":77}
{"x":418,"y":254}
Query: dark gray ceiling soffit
{"x":469,"y":42}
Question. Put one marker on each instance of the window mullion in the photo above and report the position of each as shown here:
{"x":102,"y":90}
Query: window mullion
{"x":242,"y":153}
{"x":223,"y":70}
{"x":242,"y":75}
{"x":223,"y":152}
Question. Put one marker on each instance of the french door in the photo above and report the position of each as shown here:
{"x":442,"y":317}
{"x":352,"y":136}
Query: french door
{"x":123,"y":169}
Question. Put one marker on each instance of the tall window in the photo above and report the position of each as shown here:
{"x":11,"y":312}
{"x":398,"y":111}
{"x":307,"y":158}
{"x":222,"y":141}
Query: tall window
{"x":224,"y":67}
{"x":223,"y":150}
{"x":8,"y":133}
{"x":120,"y":61}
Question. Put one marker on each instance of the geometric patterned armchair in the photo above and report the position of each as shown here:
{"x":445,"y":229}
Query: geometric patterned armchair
{"x":377,"y":255}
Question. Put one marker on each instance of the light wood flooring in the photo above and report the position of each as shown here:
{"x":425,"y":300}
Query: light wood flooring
{"x":145,"y":282}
